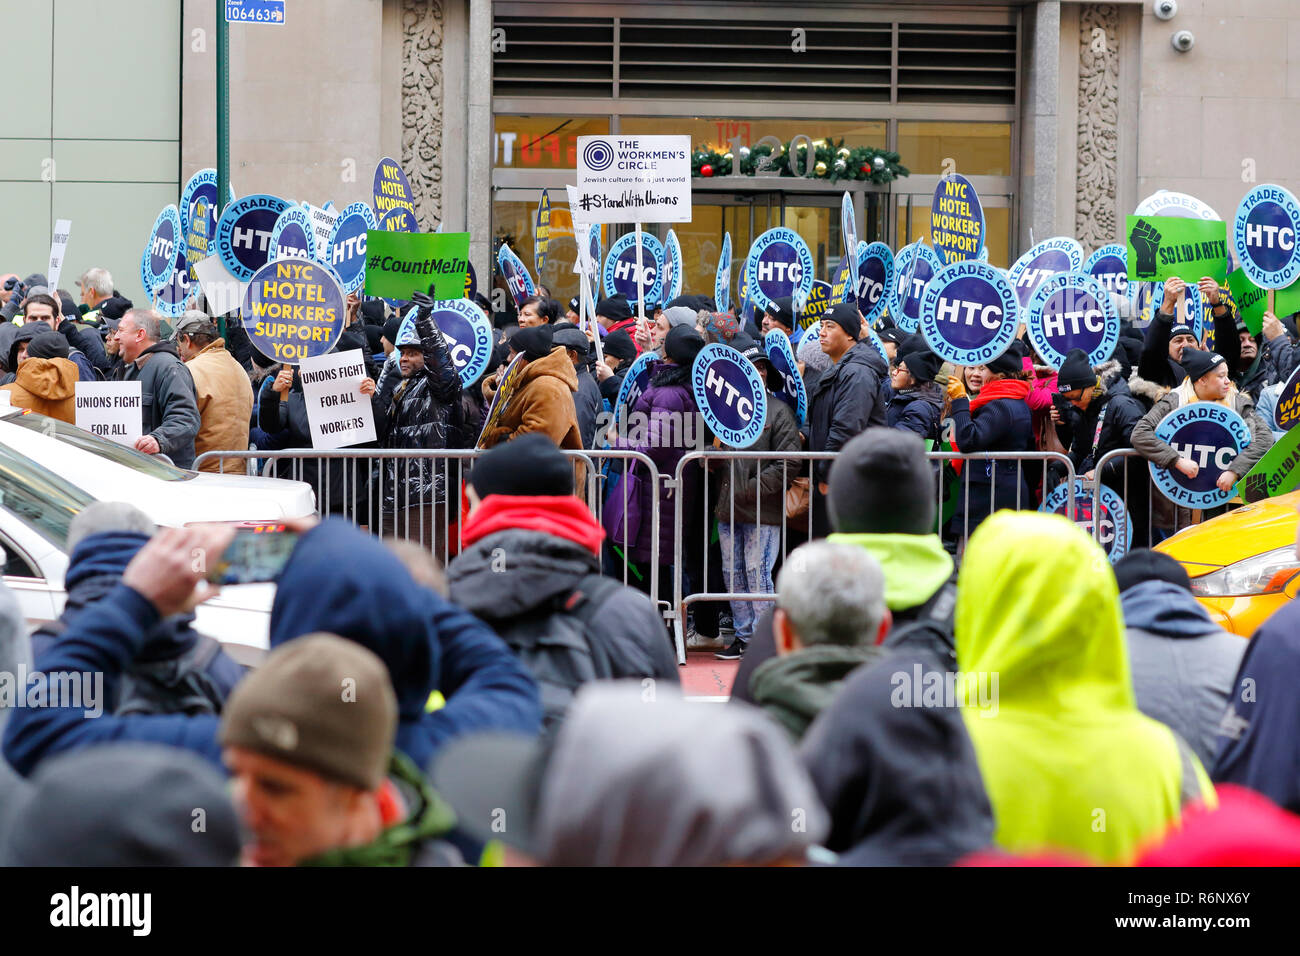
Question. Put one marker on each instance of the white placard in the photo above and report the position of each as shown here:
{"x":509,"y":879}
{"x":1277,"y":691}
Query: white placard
{"x":322,"y":224}
{"x":112,"y":410}
{"x":62,"y":228}
{"x":223,"y":291}
{"x":338,"y":413}
{"x":633,"y":179}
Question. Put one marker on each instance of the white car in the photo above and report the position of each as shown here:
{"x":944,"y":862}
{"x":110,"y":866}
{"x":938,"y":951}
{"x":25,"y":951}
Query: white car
{"x":107,"y":471}
{"x":39,"y":497}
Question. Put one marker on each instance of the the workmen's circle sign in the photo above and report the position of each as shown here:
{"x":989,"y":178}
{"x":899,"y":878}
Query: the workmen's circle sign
{"x":293,"y":235}
{"x":244,"y":233}
{"x":730,"y":395}
{"x":778,"y":264}
{"x":722,"y":278}
{"x":293,"y":309}
{"x":163,"y":239}
{"x":1211,"y":436}
{"x":875,"y":278}
{"x":466,"y":329}
{"x":621,"y":273}
{"x":671,"y":271}
{"x":968,"y":315}
{"x":914,"y":267}
{"x":518,"y":282}
{"x":1115,"y":534}
{"x":956,"y":220}
{"x":1061,"y":254}
{"x":789,"y":383}
{"x":1109,"y":266}
{"x":1072,"y":311}
{"x":1264,"y":236}
{"x":347,"y":251}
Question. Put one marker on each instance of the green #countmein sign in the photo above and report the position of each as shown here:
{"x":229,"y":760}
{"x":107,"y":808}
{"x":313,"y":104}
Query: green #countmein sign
{"x":400,"y":263}
{"x":1276,"y":473}
{"x":1168,"y":247}
{"x":1252,"y":301}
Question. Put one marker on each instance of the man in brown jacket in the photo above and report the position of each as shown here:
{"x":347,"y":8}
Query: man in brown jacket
{"x":222,"y":390}
{"x":543,"y":399}
{"x":47,"y":379}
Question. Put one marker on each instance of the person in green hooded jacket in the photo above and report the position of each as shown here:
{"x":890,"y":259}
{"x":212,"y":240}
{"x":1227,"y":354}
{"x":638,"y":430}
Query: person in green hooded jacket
{"x":1068,"y":760}
{"x":308,"y":739}
{"x":830,"y":619}
{"x":883,"y":499}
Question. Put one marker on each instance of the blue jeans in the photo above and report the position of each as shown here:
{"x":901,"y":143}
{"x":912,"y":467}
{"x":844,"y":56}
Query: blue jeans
{"x":749,"y":552}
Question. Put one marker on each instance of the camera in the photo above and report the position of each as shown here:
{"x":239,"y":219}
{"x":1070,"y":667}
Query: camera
{"x":1182,"y":40}
{"x":1165,"y":9}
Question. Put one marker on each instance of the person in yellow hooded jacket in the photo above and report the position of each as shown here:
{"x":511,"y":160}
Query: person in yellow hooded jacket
{"x":47,"y":378}
{"x":1068,"y":760}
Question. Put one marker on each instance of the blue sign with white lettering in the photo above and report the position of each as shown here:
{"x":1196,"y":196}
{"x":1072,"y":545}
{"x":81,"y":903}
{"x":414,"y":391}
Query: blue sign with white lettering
{"x":778,"y":264}
{"x":466,"y":329}
{"x":636,"y":381}
{"x":956,"y":220}
{"x":199,"y":200}
{"x":848,"y":225}
{"x":722,"y":278}
{"x":875,"y":279}
{"x":244,"y":233}
{"x":347,"y":247}
{"x":730,"y":395}
{"x":177,"y":292}
{"x":969,"y":313}
{"x":1211,"y":436}
{"x":513,"y":270}
{"x":1109,"y":266}
{"x":914,"y":267}
{"x":1116,"y":535}
{"x":1061,"y":254}
{"x":144,"y":273}
{"x":1072,"y":311}
{"x":293,"y":235}
{"x":1264,"y":236}
{"x":671,"y":271}
{"x":1190,"y":311}
{"x":620,"y":273}
{"x":788,"y":385}
{"x":163,"y":240}
{"x":269,"y":12}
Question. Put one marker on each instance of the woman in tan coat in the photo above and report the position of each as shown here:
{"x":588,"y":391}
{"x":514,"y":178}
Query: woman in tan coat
{"x":46,"y":379}
{"x":542,"y":401}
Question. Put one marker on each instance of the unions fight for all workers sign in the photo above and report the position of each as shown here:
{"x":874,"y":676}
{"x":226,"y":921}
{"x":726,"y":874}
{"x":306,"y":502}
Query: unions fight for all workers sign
{"x":112,"y":410}
{"x":634,"y":178}
{"x":339,"y":415}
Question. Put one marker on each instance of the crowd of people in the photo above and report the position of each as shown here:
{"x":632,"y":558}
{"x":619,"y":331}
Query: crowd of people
{"x":922,"y":688}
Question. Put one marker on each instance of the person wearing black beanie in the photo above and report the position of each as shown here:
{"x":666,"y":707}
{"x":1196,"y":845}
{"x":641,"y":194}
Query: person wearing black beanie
{"x":883,"y":499}
{"x":849,"y":397}
{"x":543,"y":399}
{"x":917,"y":401}
{"x":780,"y":314}
{"x":533,"y":342}
{"x":682,"y":344}
{"x":1206,"y":380}
{"x":896,"y":342}
{"x":529,"y":465}
{"x":388,"y":337}
{"x":46,"y":378}
{"x":619,"y":351}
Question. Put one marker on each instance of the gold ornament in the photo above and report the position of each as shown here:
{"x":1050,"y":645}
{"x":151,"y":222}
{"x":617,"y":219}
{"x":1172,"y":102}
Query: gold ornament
{"x":820,"y":169}
{"x":843,"y":152}
{"x":727,"y":155}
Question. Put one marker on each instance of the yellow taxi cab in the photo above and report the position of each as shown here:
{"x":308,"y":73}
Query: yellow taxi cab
{"x":1243,"y":564}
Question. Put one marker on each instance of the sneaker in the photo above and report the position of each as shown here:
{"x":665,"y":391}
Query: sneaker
{"x":699,"y":642}
{"x":733,"y":653}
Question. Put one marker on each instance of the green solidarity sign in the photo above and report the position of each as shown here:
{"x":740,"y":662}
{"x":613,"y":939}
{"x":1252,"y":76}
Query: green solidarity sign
{"x":400,"y":263}
{"x":1168,"y":247}
{"x":1277,"y":472}
{"x":1252,"y":301}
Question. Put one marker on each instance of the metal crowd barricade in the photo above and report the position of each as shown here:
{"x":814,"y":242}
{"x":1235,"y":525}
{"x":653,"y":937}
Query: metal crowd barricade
{"x":357,"y":484}
{"x":794,"y":464}
{"x":1143,"y":502}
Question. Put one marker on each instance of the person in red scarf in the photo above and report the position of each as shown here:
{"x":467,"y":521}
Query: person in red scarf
{"x":530,"y":568}
{"x":997,"y":419}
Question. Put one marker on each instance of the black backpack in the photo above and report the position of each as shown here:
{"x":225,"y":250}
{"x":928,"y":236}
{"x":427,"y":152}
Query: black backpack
{"x":561,"y":647}
{"x":932,"y":629}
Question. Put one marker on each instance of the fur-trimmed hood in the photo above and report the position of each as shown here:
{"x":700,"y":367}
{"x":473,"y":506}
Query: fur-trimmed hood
{"x":1143,"y":388}
{"x":1109,"y":372}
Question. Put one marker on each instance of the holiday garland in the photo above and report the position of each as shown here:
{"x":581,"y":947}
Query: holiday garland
{"x":831,"y":161}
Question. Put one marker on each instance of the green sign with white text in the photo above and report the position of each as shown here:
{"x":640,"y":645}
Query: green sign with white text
{"x":1168,"y":247}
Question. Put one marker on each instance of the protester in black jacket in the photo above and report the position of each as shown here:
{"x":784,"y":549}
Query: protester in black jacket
{"x":171,"y":412}
{"x":916,"y":402}
{"x":1166,"y":339}
{"x":522,"y":505}
{"x":423,"y":411}
{"x":846,"y":400}
{"x":620,"y":353}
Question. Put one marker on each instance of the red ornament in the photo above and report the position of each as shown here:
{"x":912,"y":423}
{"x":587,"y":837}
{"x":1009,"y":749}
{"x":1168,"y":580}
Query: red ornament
{"x":706,"y":170}
{"x":865,"y":170}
